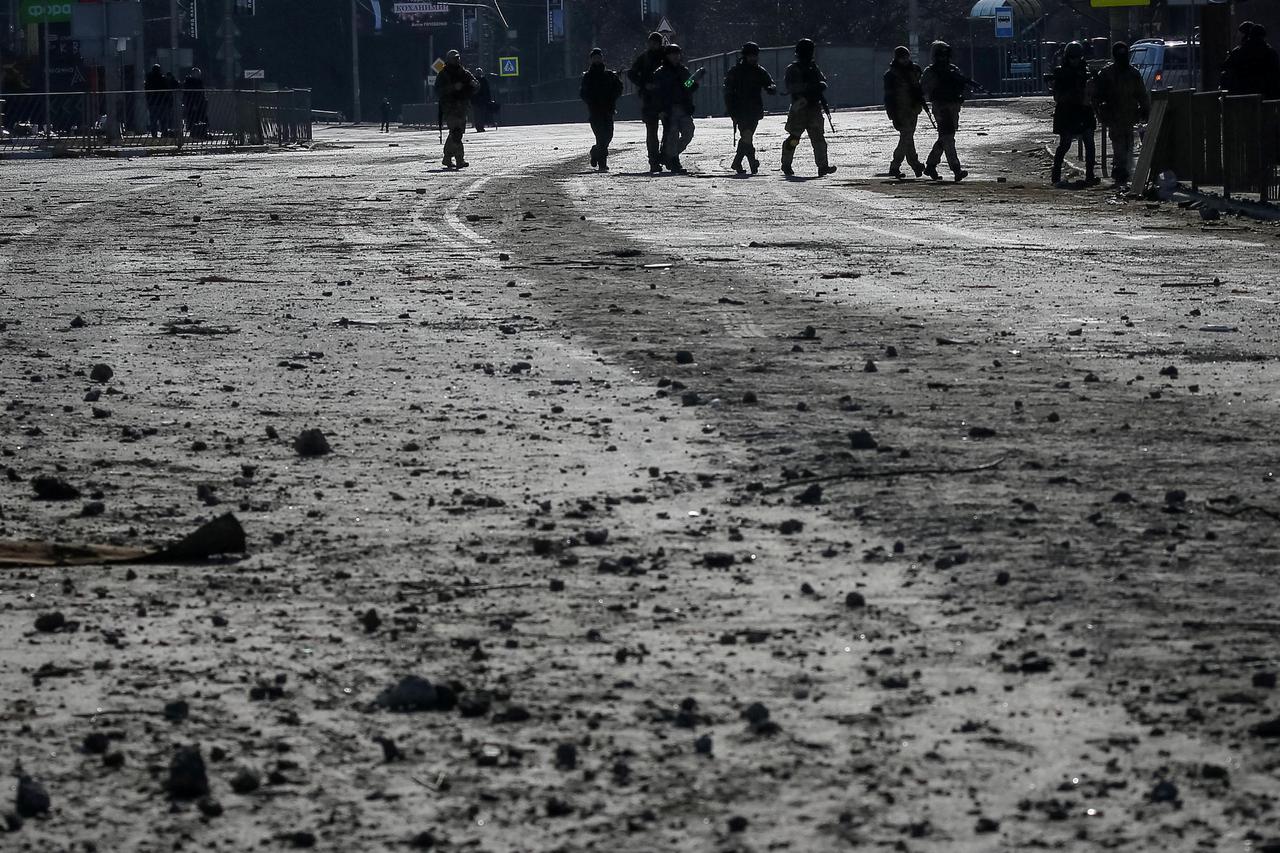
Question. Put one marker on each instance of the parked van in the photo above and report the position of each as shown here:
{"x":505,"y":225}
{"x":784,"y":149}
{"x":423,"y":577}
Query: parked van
{"x":1166,"y":64}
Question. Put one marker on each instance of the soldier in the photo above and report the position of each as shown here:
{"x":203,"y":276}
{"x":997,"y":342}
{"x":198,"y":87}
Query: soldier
{"x":944,"y":86}
{"x":903,"y":101}
{"x":1122,"y":100}
{"x":1253,"y":68}
{"x":674,"y":86}
{"x":454,"y":88}
{"x":385,"y":106}
{"x":641,"y":76}
{"x":808,"y":89}
{"x":744,"y":103}
{"x":601,"y":87}
{"x":1073,"y":116}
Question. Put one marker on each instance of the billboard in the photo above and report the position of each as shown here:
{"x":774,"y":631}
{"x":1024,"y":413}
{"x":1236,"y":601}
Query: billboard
{"x":422,"y":14}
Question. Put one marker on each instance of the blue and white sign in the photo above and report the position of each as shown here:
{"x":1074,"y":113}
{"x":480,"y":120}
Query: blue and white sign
{"x":1004,"y":23}
{"x":508,"y":66}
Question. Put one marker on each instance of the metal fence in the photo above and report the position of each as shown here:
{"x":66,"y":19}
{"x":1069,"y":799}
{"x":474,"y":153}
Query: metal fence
{"x":1212,"y":139}
{"x":203,"y":119}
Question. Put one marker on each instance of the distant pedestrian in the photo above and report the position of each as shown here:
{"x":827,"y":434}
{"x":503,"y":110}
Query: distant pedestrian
{"x":482,"y":103}
{"x":903,"y":101}
{"x":601,"y":87}
{"x":385,"y":106}
{"x":1073,"y":115}
{"x":1253,"y":68}
{"x":172,"y":87}
{"x":744,"y":88}
{"x":808,"y":89}
{"x":1122,"y":101}
{"x":195,"y":104}
{"x":674,"y":86}
{"x":944,"y":87}
{"x":156,"y":89}
{"x":641,"y":76}
{"x":455,"y":87}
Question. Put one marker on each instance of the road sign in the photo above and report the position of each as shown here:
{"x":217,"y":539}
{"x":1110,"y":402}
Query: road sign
{"x":36,"y":12}
{"x":438,"y":65}
{"x":508,"y":66}
{"x":1004,"y":23}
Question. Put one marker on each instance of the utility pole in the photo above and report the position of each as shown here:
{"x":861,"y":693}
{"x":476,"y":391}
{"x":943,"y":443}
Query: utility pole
{"x":173,"y":37}
{"x":913,"y":27}
{"x":355,"y":63}
{"x":229,"y":43}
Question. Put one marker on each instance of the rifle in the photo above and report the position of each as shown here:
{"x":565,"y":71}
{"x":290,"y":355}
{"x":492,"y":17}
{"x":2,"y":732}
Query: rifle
{"x":735,"y":133}
{"x":440,"y":118}
{"x":929,"y":113}
{"x":826,"y":108}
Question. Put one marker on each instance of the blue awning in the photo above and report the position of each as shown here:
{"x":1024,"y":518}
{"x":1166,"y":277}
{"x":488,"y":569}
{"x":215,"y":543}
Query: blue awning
{"x":1025,"y":10}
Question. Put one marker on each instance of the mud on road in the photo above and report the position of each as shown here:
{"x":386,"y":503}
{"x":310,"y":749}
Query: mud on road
{"x":736,"y":514}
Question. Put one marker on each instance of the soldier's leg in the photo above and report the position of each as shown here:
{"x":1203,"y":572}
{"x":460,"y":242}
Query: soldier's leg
{"x":604,"y":138}
{"x":652,"y":141}
{"x":818,"y":138}
{"x":795,"y":129}
{"x":685,"y":126}
{"x":948,"y":125}
{"x":907,"y":142}
{"x":1090,"y":156}
{"x":1064,"y":147}
{"x":1122,"y":145}
{"x":747,"y":142}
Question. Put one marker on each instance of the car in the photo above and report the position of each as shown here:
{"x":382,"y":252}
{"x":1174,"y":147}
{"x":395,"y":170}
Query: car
{"x":1165,"y":64}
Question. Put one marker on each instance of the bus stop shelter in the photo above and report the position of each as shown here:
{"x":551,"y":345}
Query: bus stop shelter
{"x":1005,"y":51}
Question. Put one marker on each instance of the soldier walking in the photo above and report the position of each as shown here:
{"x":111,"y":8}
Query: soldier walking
{"x":454,"y":88}
{"x":744,"y":85}
{"x":674,"y":86}
{"x":903,"y":101}
{"x":601,"y":87}
{"x":641,"y":76}
{"x":944,"y":87}
{"x":1073,"y":116}
{"x":808,"y":89}
{"x":1122,"y":100}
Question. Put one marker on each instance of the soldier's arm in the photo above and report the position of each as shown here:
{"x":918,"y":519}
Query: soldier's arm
{"x":635,"y":73}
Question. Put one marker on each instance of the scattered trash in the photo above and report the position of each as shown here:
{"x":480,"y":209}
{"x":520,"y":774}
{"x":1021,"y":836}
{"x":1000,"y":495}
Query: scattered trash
{"x":221,"y":537}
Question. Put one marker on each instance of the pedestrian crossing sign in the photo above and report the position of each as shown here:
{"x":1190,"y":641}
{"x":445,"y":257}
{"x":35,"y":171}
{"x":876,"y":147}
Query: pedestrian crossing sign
{"x":508,"y":66}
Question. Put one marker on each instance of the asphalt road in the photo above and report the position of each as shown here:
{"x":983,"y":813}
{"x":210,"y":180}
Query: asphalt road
{"x":1064,"y":536}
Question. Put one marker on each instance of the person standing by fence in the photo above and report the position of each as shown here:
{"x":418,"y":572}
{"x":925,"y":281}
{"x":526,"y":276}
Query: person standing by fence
{"x":385,"y":106}
{"x":155,"y":87}
{"x":482,"y":104}
{"x":1253,"y":68}
{"x":1122,"y":100}
{"x":454,"y":88}
{"x":196,"y":105}
{"x":1073,"y":116}
{"x":601,"y":87}
{"x":641,"y":76}
{"x":744,"y":88}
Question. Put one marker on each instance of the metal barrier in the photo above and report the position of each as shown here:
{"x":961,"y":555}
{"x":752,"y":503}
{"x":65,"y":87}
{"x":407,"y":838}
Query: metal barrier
{"x":1215,"y":140}
{"x":181,"y":119}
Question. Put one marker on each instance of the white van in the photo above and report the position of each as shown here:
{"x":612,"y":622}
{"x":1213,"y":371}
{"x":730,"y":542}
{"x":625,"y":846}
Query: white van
{"x":1166,"y":64}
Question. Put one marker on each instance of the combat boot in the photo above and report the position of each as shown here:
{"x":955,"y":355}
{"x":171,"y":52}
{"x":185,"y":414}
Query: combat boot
{"x":448,"y":162}
{"x":462,"y":164}
{"x":594,"y":159}
{"x":960,"y":175}
{"x":932,"y":172}
{"x":737,"y":165}
{"x":823,"y":171}
{"x":755,"y":165}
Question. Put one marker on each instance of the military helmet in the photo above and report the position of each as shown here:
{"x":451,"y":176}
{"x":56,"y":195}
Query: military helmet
{"x":672,"y":48}
{"x":941,"y":51}
{"x":805,"y":48}
{"x":1075,"y":50}
{"x":751,"y":48}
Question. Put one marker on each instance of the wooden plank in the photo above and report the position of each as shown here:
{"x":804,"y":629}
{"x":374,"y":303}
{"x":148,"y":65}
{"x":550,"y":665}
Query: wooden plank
{"x":1150,"y":144}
